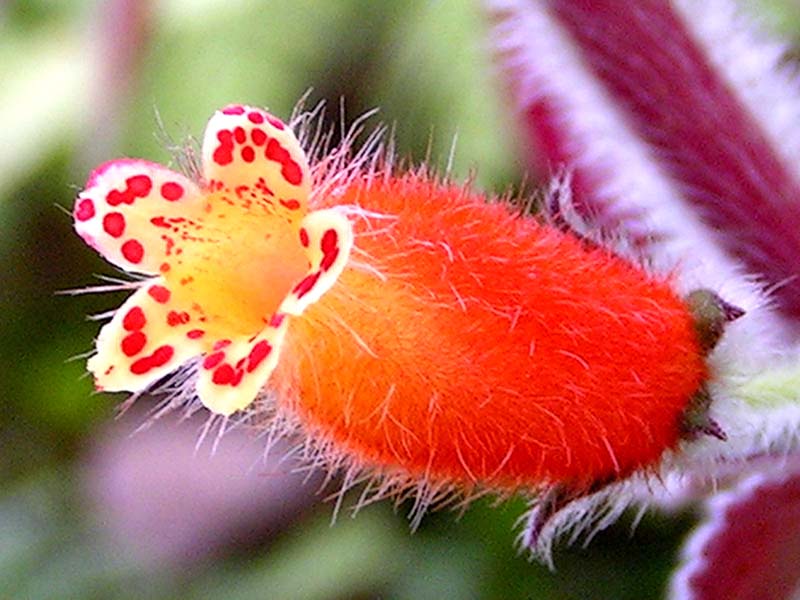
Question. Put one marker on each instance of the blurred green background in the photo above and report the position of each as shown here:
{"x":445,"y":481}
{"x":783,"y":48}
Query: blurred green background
{"x":85,"y":81}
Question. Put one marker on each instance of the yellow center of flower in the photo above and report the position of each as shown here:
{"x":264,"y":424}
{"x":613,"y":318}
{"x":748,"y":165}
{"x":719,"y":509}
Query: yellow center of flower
{"x":236,"y":265}
{"x":234,"y":258}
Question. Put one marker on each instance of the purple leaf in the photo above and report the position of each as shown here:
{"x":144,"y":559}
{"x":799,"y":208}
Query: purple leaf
{"x":750,"y":544}
{"x":673,"y":118}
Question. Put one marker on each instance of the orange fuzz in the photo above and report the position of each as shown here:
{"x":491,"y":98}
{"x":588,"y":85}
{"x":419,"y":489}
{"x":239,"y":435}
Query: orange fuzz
{"x":469,"y":345}
{"x":413,"y":328}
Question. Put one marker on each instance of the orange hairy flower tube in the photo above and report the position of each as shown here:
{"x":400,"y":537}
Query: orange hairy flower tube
{"x":482,"y":347}
{"x":411,"y":327}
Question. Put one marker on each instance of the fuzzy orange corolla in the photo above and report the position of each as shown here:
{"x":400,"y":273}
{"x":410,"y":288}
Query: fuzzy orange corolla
{"x":486,"y":348}
{"x":412,"y":326}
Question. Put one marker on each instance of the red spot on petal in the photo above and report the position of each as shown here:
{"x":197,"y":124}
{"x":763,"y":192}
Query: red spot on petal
{"x":164,"y":268}
{"x":162,"y":355}
{"x":139,"y":185}
{"x":160,"y":222}
{"x":304,"y":237}
{"x":221,"y":344}
{"x":262,"y":187}
{"x":136,"y":186}
{"x":257,"y":355}
{"x":328,"y":245}
{"x":277,"y":319}
{"x":292,"y":173}
{"x":239,"y":135}
{"x":212,"y":360}
{"x":291,"y":204}
{"x":329,"y":259}
{"x":255,"y":117}
{"x":175,"y":318}
{"x":258,"y":136}
{"x":134,"y":319}
{"x":248,"y":154}
{"x":329,"y":239}
{"x":133,"y":251}
{"x":141,"y":366}
{"x":290,"y":170}
{"x":158,"y":358}
{"x":195,"y":334}
{"x":276,"y":122}
{"x":84,"y":209}
{"x":172,"y":191}
{"x":169,"y":244}
{"x":233,"y":109}
{"x":223,"y":155}
{"x":159,"y":293}
{"x":223,"y":375}
{"x":114,"y":224}
{"x":306,"y":285}
{"x":133,"y":343}
{"x":115,"y":197}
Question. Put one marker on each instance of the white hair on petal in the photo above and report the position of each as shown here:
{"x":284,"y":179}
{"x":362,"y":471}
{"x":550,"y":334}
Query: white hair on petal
{"x":754,"y":64}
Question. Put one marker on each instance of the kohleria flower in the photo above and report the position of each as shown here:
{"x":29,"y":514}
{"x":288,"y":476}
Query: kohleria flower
{"x":414,"y":330}
{"x":231,"y":261}
{"x":459,"y":346}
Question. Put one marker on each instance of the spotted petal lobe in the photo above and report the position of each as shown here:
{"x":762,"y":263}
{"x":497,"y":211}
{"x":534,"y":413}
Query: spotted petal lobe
{"x":148,"y":337}
{"x":256,"y":161}
{"x":130,"y":211}
{"x":327,"y":236}
{"x":234,"y":258}
{"x":234,"y":371}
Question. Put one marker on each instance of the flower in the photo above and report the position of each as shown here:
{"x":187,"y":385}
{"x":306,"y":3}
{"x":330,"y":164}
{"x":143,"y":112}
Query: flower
{"x":442,"y":343}
{"x":217,"y":289}
{"x":410,"y":328}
